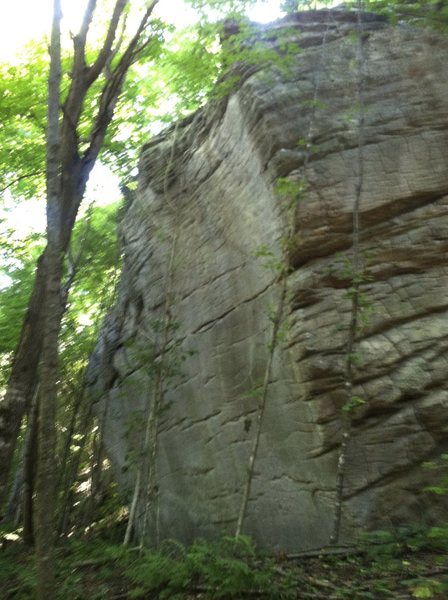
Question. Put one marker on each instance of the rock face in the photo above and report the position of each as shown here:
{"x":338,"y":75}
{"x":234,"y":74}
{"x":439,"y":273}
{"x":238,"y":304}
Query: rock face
{"x":207,"y":203}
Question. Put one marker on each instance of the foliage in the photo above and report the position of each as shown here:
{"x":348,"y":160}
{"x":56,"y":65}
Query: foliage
{"x":17,"y":271}
{"x":429,"y":13}
{"x":387,"y":564}
{"x":289,"y":6}
{"x":95,"y":251}
{"x":441,"y":467}
{"x":220,"y":8}
{"x":352,"y":403}
{"x":94,"y":244}
{"x":226,"y":569}
{"x":387,"y":549}
{"x":17,"y":573}
{"x":229,"y":568}
{"x":175,"y":75}
{"x":23,"y":93}
{"x":96,"y":248}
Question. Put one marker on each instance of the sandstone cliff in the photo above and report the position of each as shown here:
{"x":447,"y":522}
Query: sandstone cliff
{"x":206,"y":204}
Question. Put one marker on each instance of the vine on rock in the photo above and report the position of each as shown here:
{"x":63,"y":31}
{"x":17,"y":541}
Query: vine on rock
{"x":354,"y":292}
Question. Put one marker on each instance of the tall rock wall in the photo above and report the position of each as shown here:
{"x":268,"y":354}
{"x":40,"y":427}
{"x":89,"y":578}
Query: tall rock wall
{"x":207,"y":203}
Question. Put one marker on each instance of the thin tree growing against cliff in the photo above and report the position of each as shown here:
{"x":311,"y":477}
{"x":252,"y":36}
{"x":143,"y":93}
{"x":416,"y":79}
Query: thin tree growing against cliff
{"x":354,"y":292}
{"x":162,"y":375}
{"x":76,"y":156}
{"x":146,"y":481}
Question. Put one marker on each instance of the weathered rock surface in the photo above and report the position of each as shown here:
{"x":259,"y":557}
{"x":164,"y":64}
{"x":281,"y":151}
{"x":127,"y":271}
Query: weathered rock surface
{"x":206,"y":204}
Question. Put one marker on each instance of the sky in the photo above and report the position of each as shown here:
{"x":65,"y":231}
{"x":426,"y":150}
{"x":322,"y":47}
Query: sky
{"x":23,"y":20}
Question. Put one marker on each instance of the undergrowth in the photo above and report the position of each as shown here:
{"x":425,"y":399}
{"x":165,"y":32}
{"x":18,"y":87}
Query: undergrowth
{"x":95,"y":569}
{"x":405,"y":563}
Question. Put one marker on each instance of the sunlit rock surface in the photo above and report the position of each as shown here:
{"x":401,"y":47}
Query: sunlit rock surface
{"x":206,"y":204}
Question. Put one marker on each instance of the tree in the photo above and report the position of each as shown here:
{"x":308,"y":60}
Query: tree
{"x":78,"y":148}
{"x":50,"y":325}
{"x":69,"y":161}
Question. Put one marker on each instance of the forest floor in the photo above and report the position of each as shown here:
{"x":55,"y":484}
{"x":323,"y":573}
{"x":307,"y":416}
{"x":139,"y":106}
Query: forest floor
{"x":383,"y":566}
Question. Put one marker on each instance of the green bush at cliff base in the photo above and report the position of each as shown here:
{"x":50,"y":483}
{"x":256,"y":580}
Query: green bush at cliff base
{"x":228,"y":569}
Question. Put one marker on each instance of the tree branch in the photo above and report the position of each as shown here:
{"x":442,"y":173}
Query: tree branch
{"x":53,"y":140}
{"x":133,"y":46}
{"x":114,"y":51}
{"x":79,"y":40}
{"x":19,"y":179}
{"x":73,"y":262}
{"x":101,"y":60}
{"x":86,"y":22}
{"x":356,"y":265}
{"x":112,"y":89}
{"x":83,"y":77}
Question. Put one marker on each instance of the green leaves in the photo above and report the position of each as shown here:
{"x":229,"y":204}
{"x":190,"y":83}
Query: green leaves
{"x":94,"y":245}
{"x":95,"y":250}
{"x":226,"y":569}
{"x":270,"y":260}
{"x":428,"y":13}
{"x":23,"y":93}
{"x":440,"y":466}
{"x":221,"y":8}
{"x":18,"y":267}
{"x":423,"y":587}
{"x":290,"y":190}
{"x":354,"y":402}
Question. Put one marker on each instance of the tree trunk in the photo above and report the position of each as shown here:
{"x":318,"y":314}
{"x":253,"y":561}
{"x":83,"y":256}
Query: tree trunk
{"x":29,"y":477}
{"x":357,"y":278}
{"x":69,"y":462}
{"x":46,"y":470}
{"x":22,"y":380}
{"x":13,"y":508}
{"x":52,"y":316}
